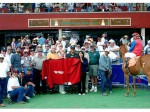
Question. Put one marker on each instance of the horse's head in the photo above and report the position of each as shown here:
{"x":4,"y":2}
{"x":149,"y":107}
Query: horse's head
{"x":122,"y":50}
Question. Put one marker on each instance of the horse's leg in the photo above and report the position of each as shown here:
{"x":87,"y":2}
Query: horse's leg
{"x":134,"y":85}
{"x":127,"y":84}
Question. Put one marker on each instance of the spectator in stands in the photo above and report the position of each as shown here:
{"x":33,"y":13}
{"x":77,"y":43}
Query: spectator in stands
{"x":20,"y":8}
{"x":15,"y":91}
{"x":33,"y":7}
{"x":147,"y":48}
{"x":11,"y":8}
{"x":148,"y":6}
{"x":37,"y":8}
{"x":37,"y":62}
{"x":95,"y":7}
{"x":3,"y":81}
{"x":93,"y":67}
{"x":105,"y":72}
{"x":84,"y":7}
{"x":16,"y":60}
{"x":49,"y":7}
{"x":70,"y":7}
{"x":84,"y":65}
{"x":89,"y":7}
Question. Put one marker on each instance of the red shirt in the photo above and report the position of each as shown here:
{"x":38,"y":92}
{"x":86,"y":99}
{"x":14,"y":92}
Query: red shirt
{"x":138,"y":48}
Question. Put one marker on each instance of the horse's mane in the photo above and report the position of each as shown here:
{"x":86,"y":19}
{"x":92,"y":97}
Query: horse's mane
{"x":122,"y":50}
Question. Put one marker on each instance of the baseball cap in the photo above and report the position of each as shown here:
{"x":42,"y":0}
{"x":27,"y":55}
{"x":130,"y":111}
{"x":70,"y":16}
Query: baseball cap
{"x":148,"y":42}
{"x":32,"y":50}
{"x":72,"y":47}
{"x":92,"y":45}
{"x":63,"y":36}
{"x":83,"y":47}
{"x":107,"y":50}
{"x":26,"y":50}
{"x":15,"y":70}
{"x":3,"y":49}
{"x":111,"y":40}
{"x":1,"y":56}
{"x":135,"y":34}
{"x":29,"y":69}
{"x":125,"y":36}
{"x":39,"y":50}
{"x":87,"y":35}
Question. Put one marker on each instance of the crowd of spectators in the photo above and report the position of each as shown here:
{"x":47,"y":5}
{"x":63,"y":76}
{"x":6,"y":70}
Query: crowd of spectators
{"x":20,"y":77}
{"x":71,"y":7}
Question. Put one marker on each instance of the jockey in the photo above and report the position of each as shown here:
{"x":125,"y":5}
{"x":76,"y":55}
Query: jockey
{"x":136,"y":47}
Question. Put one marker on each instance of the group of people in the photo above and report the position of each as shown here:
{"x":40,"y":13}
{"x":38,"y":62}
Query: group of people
{"x":69,"y":7}
{"x":21,"y":64}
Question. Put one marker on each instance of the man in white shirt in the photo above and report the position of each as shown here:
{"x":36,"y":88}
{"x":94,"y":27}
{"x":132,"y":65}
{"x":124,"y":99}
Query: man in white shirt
{"x":114,"y":50}
{"x":63,"y":42}
{"x":73,"y":40}
{"x":15,"y":91}
{"x":4,"y":68}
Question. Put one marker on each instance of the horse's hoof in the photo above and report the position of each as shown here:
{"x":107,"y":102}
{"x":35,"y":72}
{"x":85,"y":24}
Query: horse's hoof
{"x":126,"y":95}
{"x":134,"y":94}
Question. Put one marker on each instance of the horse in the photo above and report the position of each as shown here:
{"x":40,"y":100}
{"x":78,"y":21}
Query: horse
{"x":142,"y":65}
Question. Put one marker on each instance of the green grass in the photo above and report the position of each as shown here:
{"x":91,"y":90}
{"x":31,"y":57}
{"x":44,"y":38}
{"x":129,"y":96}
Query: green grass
{"x":116,"y":100}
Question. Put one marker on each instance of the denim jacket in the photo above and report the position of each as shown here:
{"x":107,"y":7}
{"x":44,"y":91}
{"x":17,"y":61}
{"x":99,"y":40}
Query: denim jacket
{"x":105,"y":63}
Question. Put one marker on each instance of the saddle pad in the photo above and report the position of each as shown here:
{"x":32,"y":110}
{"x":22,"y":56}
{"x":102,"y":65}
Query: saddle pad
{"x":133,"y":61}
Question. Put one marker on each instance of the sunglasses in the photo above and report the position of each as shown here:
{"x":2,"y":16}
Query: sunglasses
{"x":1,"y":58}
{"x":46,"y":46}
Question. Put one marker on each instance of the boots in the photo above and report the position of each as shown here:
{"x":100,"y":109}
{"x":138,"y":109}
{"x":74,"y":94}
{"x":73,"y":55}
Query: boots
{"x":127,"y":62}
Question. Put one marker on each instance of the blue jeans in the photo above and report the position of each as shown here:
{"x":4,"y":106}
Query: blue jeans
{"x":3,"y":89}
{"x":30,"y":90}
{"x":105,"y":81}
{"x":50,"y":9}
{"x":89,"y":9}
{"x":71,"y":10}
{"x":95,"y":8}
{"x":17,"y":94}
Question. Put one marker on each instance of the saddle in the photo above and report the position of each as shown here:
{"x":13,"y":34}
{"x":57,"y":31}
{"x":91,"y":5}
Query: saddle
{"x":131,"y":62}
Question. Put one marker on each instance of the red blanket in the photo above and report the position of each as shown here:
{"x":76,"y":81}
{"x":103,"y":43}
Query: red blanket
{"x":62,"y":71}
